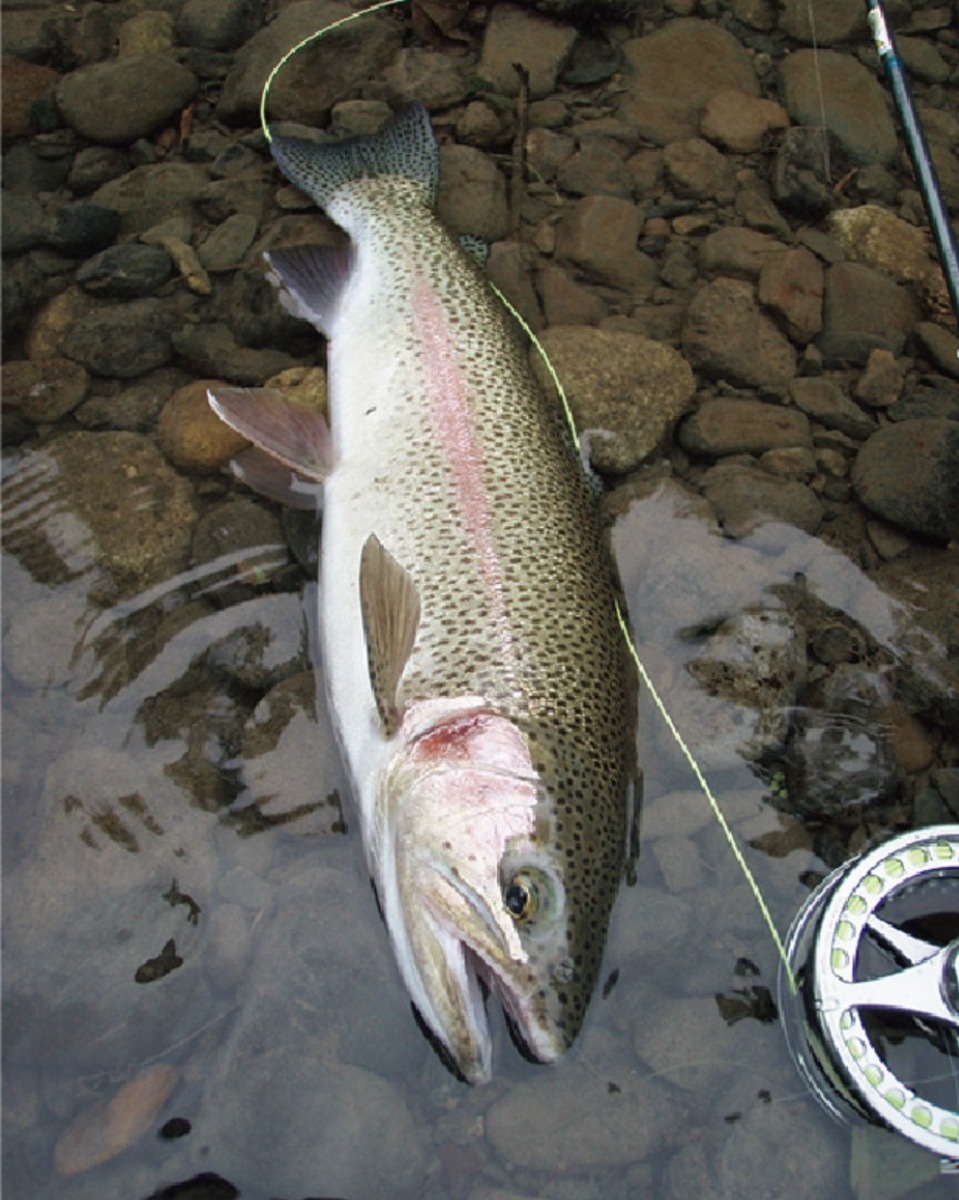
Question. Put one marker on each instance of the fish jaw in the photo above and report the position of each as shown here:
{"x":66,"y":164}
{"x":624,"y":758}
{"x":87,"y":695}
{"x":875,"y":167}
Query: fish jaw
{"x":457,"y":808}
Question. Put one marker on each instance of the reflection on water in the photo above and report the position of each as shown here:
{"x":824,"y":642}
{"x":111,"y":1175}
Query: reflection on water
{"x":196,"y":979}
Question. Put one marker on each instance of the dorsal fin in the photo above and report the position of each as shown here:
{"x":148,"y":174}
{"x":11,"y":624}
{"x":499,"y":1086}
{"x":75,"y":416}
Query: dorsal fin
{"x":390,"y":605}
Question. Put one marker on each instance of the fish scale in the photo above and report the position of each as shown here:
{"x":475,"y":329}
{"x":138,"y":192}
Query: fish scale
{"x":515,"y":705}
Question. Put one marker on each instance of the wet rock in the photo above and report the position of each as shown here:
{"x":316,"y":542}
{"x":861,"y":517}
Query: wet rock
{"x":594,"y":170}
{"x":726,"y":336}
{"x":125,"y":98}
{"x":863,"y":311}
{"x":836,"y":765}
{"x":738,"y":252}
{"x":566,"y":302}
{"x":625,"y":391}
{"x":823,"y":22}
{"x":418,"y":75}
{"x":599,"y":1127}
{"x":509,"y":267}
{"x":219,"y":24}
{"x":792,"y":286}
{"x":336,"y":66}
{"x":267,"y":647}
{"x":922,"y":59}
{"x":941,"y":346}
{"x":745,"y":498}
{"x":44,"y":389}
{"x":807,"y":162}
{"x":153,"y":193}
{"x":686,"y":1042}
{"x":672,"y":74}
{"x":697,"y":170}
{"x":225,"y":248}
{"x":82,"y":229}
{"x":121,"y":341}
{"x":108,"y":1127}
{"x":45,"y":336}
{"x":908,"y":473}
{"x":94,"y":166}
{"x":855,"y":106}
{"x":244,"y":537}
{"x":24,"y":224}
{"x":149,"y":32}
{"x":823,"y":400}
{"x":539,"y":45}
{"x":880,"y":384}
{"x":881,"y":240}
{"x":599,"y":235}
{"x":25,"y":86}
{"x":722,"y":426}
{"x":212,"y":350}
{"x":190,"y":433}
{"x":472,"y":194}
{"x":125,"y":271}
{"x":740,"y":122}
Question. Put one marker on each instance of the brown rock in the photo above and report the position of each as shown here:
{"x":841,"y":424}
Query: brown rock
{"x":740,"y":122}
{"x":43,"y":389}
{"x":22,"y":85}
{"x":190,"y":433}
{"x":791,"y":285}
{"x":472,"y":194}
{"x":566,"y":302}
{"x":516,"y":35}
{"x":723,"y":426}
{"x":941,"y":346}
{"x":697,"y":170}
{"x":863,"y":310}
{"x":727,"y":337}
{"x":746,"y":497}
{"x":51,"y":323}
{"x":738,"y":252}
{"x":599,"y":234}
{"x":881,"y":240}
{"x":881,"y":382}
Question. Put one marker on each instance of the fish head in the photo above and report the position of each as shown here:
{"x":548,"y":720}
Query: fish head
{"x":472,"y":889}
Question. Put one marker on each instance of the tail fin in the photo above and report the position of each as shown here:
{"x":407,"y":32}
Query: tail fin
{"x":404,"y":147}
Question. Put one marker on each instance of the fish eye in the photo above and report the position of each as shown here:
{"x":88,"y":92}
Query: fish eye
{"x":525,"y":895}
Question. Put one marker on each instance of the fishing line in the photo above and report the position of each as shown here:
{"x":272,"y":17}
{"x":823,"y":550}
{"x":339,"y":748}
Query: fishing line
{"x":570,"y":420}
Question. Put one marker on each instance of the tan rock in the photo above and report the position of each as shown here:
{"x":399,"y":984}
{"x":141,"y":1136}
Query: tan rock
{"x":740,"y":122}
{"x":190,"y":433}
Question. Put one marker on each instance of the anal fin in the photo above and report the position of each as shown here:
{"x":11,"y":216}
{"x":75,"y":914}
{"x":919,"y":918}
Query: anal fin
{"x":296,"y":436}
{"x":390,"y":606}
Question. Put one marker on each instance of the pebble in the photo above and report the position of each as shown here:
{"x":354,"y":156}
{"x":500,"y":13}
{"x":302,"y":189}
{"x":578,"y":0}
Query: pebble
{"x":863,"y":310}
{"x":43,"y":389}
{"x":723,"y":426}
{"x":626,"y":391}
{"x":125,"y":271}
{"x":727,"y":337}
{"x":107,"y":102}
{"x":516,"y":35}
{"x":791,"y":286}
{"x":941,"y":345}
{"x":153,"y":193}
{"x":696,"y":170}
{"x":225,"y":248}
{"x":856,"y":110}
{"x":823,"y":22}
{"x":686,"y":1042}
{"x":740,"y":122}
{"x":472,"y":194}
{"x":190,"y":433}
{"x":219,"y":24}
{"x":881,"y":381}
{"x":823,"y":400}
{"x":83,"y":229}
{"x":212,"y":350}
{"x":888,"y":483}
{"x":807,"y":161}
{"x":25,"y":85}
{"x":599,"y":234}
{"x":745,"y":498}
{"x":121,"y":341}
{"x":738,"y":252}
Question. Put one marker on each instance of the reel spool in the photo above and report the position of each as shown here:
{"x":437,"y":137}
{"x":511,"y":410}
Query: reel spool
{"x":874,"y":1025}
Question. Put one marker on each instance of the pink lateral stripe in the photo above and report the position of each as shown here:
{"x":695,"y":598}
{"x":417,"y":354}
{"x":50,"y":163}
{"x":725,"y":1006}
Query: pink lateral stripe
{"x":454,"y":426}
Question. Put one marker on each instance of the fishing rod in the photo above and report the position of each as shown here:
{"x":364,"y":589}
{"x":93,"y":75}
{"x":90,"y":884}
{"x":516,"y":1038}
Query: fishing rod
{"x":918,"y":149}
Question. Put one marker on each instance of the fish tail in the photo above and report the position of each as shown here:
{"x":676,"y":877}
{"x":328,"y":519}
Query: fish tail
{"x":404,"y":147}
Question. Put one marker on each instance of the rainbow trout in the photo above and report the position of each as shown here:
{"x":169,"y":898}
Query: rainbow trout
{"x":478,"y":678}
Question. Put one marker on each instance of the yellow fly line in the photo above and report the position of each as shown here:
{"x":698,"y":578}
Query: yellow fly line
{"x":561,"y":392}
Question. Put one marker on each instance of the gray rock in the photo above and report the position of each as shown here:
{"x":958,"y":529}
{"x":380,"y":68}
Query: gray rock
{"x":922,"y":59}
{"x":625,"y":391}
{"x":219,"y":24}
{"x":153,"y":193}
{"x":824,"y":401}
{"x":43,"y":389}
{"x":212,"y":350}
{"x":94,"y":166}
{"x":908,"y":473}
{"x":941,"y":346}
{"x":225,"y":248}
{"x":745,"y":498}
{"x":516,"y":35}
{"x":837,"y":764}
{"x":123,"y":99}
{"x":880,"y":384}
{"x":82,"y":229}
{"x":823,"y":22}
{"x":418,"y":75}
{"x":672,"y":73}
{"x":724,"y":426}
{"x":24,"y":224}
{"x":741,"y":253}
{"x":472,"y":194}
{"x":881,"y":240}
{"x":686,"y":1041}
{"x":855,"y":105}
{"x":319,"y":75}
{"x":808,"y":160}
{"x":233,"y":526}
{"x":599,"y":235}
{"x":727,"y":336}
{"x":121,"y":341}
{"x":126,"y":271}
{"x":266,"y":646}
{"x":863,"y":310}
{"x":741,"y":123}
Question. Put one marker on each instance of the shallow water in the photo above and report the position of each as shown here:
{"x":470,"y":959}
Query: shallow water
{"x":186,"y":905}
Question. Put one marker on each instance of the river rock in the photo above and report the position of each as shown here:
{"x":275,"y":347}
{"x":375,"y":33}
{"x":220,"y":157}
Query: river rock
{"x":211,"y":349}
{"x":318,"y":76}
{"x":922,"y":59}
{"x":941,"y":346}
{"x":880,"y":383}
{"x":908,"y":473}
{"x":807,"y":162}
{"x":823,"y":400}
{"x":792,"y":286}
{"x":420,"y":76}
{"x":25,"y":86}
{"x":727,"y":336}
{"x":82,"y":229}
{"x":43,"y":389}
{"x":822,"y":22}
{"x":855,"y":105}
{"x":738,"y":252}
{"x":724,"y":426}
{"x":672,"y":73}
{"x":863,"y":310}
{"x":125,"y":271}
{"x":153,"y":193}
{"x":740,"y":122}
{"x":599,"y":235}
{"x":190,"y":433}
{"x":94,"y":166}
{"x":626,"y":391}
{"x":746,"y":497}
{"x":697,"y":170}
{"x":225,"y":247}
{"x":516,"y":35}
{"x":878,"y":238}
{"x":472,"y":194}
{"x":121,"y":341}
{"x":125,"y":98}
{"x":219,"y":24}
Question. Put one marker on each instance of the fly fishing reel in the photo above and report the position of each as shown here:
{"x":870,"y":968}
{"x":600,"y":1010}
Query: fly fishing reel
{"x":874,"y":1022}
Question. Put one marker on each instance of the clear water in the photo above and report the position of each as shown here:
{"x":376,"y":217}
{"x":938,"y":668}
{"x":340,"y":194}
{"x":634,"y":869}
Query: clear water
{"x":155,"y":810}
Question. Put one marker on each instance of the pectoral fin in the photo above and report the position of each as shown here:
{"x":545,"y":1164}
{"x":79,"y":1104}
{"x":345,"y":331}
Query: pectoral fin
{"x":297,"y":436}
{"x":390,"y":606}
